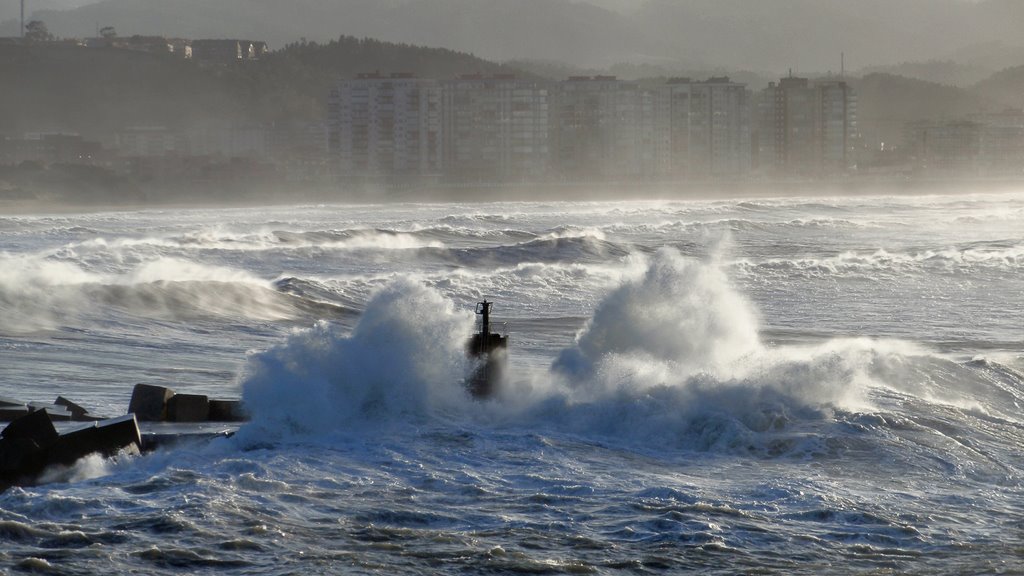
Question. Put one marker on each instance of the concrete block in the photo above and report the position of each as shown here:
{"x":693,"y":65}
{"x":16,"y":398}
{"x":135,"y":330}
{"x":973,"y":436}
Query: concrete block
{"x":57,"y":413}
{"x":78,"y":413}
{"x":19,"y":460}
{"x":7,"y":402}
{"x":11,"y":413}
{"x":227,"y":411}
{"x":35,"y":426}
{"x":107,"y":437}
{"x":188,"y":408}
{"x":149,"y":403}
{"x":31,"y":444}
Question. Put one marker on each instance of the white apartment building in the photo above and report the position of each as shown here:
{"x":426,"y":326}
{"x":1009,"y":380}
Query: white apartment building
{"x":383,"y":127}
{"x":807,"y":128}
{"x":702,"y":129}
{"x":837,"y":113}
{"x":495,"y":128}
{"x":602,"y":128}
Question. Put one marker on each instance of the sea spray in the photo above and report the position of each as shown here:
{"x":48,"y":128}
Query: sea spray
{"x":771,"y":468}
{"x":673,"y":357}
{"x":405,"y":356}
{"x":39,"y":292}
{"x":680,"y":313}
{"x":31,"y":288}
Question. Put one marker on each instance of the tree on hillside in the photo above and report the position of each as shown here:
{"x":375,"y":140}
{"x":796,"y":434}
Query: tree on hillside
{"x":108,"y":32}
{"x":36,"y":31}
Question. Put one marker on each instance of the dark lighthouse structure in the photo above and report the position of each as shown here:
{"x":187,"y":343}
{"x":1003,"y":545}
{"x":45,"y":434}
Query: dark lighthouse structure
{"x":492,"y":351}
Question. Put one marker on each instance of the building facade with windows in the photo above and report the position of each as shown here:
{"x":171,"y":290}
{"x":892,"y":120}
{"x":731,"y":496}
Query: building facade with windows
{"x":602,"y":128}
{"x":806,"y":128}
{"x":702,"y":129}
{"x":495,"y":128}
{"x":385,"y":127}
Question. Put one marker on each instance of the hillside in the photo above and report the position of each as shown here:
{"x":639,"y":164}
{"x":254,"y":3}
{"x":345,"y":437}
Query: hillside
{"x":1004,"y":88}
{"x":945,"y":72}
{"x":65,"y":88}
{"x":885,"y":103}
{"x":58,"y":87}
{"x":806,"y":35}
{"x":991,"y":55}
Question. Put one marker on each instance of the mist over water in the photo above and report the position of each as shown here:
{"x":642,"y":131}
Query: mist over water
{"x":787,"y":385}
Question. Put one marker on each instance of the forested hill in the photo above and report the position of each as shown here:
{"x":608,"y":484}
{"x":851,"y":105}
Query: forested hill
{"x":307,"y":70}
{"x":61,"y":87}
{"x":760,"y":35}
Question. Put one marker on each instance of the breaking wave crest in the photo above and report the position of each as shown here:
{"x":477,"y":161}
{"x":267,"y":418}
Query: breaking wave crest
{"x":681,"y":312}
{"x":674,"y":358}
{"x":671,"y":358}
{"x":404,"y":359}
{"x":38,"y":293}
{"x":585,"y":248}
{"x":986,"y":255}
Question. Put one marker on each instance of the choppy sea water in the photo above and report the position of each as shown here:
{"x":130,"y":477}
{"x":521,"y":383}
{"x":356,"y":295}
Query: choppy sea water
{"x":826,"y":385}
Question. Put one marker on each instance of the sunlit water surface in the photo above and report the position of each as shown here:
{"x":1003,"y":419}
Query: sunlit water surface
{"x":825,"y":385}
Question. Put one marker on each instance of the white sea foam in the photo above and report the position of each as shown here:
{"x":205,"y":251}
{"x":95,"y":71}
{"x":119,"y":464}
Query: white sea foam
{"x":671,"y":355}
{"x":262,"y":239}
{"x":680,"y":312}
{"x":573,"y":232}
{"x":864,"y":450}
{"x":180,"y":270}
{"x":41,"y":293}
{"x":404,"y":359}
{"x":674,"y":356}
{"x":88,"y":467}
{"x":951,"y":259}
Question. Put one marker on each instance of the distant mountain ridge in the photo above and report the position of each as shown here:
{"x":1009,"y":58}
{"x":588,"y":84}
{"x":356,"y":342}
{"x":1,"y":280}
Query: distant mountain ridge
{"x":757,"y":35}
{"x":944,"y":72}
{"x":95,"y":91}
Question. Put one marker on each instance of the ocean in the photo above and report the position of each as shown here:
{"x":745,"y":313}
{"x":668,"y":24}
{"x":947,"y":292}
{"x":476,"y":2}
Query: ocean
{"x":764,"y":386}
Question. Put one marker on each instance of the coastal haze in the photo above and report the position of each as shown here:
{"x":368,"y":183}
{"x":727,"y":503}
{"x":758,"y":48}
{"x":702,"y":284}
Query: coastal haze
{"x":759,"y":265}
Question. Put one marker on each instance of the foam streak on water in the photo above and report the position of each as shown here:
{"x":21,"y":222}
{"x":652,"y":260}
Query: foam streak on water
{"x":826,"y":385}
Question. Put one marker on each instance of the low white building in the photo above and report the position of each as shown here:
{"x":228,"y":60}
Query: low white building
{"x":149,"y":142}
